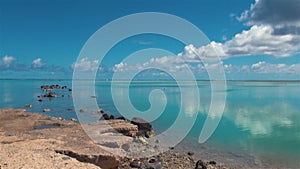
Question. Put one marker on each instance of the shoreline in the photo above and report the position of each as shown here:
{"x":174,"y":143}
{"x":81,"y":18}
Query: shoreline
{"x":33,"y":140}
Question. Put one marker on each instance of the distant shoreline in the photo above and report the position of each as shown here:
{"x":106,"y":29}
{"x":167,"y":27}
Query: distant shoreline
{"x":158,"y":80}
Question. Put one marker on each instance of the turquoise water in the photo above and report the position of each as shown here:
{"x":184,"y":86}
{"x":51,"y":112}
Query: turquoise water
{"x":261,"y":119}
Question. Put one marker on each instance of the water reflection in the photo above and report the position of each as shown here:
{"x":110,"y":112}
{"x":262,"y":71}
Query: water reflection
{"x":261,"y":120}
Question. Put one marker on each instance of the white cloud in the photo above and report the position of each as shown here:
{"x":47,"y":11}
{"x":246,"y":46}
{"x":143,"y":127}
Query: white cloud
{"x":6,"y":61}
{"x":258,"y":40}
{"x":263,"y":68}
{"x":85,"y":65}
{"x":37,"y":63}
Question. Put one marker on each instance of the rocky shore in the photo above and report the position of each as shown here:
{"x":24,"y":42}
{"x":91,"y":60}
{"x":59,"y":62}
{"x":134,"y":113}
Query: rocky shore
{"x":32,"y":140}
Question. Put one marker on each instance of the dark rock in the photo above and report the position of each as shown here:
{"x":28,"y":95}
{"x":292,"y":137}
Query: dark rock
{"x":111,"y":117}
{"x":213,"y":163}
{"x":135,"y":164}
{"x":153,"y":163}
{"x":145,"y":128}
{"x":171,"y":148}
{"x":121,"y":118}
{"x":70,"y":90}
{"x":201,"y":165}
{"x":190,"y":153}
{"x":82,"y":110}
{"x":104,"y":117}
{"x":40,"y":100}
{"x":50,"y":94}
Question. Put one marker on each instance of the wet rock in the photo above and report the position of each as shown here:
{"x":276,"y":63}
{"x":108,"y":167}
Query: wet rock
{"x":46,"y":110}
{"x":93,"y":96}
{"x":121,"y":118}
{"x":104,"y":117}
{"x":40,"y":100}
{"x":111,"y":117}
{"x":73,"y":119}
{"x":82,"y":110}
{"x":70,"y":109}
{"x":70,"y":90}
{"x":28,"y":106}
{"x":201,"y":165}
{"x":145,"y":128}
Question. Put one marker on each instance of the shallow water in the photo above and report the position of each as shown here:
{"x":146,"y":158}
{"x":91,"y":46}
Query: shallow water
{"x":261,"y":120}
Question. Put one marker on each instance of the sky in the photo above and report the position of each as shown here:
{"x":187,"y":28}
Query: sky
{"x":254,"y":39}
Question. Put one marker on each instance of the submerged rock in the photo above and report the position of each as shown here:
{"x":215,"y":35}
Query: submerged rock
{"x":46,"y":110}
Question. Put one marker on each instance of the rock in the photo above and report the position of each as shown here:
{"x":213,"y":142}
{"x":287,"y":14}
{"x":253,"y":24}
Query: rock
{"x":46,"y":110}
{"x":40,"y":100}
{"x":171,"y":148}
{"x":121,"y":118}
{"x":28,"y":106}
{"x":213,"y":163}
{"x":104,"y":117}
{"x":60,"y":118}
{"x":135,"y":164}
{"x":145,"y":128}
{"x":153,"y":163}
{"x":201,"y":165}
{"x":104,"y":161}
{"x":93,"y":96}
{"x":50,"y":94}
{"x":73,"y":119}
{"x":125,"y":147}
{"x":111,"y":117}
{"x":190,"y":153}
{"x":70,"y":90}
{"x":82,"y":110}
{"x":70,"y":109}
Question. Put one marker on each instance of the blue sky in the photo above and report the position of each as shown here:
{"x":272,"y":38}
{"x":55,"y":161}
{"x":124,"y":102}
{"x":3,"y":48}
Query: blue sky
{"x":255,"y":39}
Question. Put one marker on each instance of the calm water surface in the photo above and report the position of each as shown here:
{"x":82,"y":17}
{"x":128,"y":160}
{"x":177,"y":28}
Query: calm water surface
{"x":261,"y":119}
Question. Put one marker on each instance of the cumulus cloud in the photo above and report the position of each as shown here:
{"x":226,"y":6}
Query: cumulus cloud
{"x":275,"y":12}
{"x":37,"y":63}
{"x":258,"y":40}
{"x":6,"y":61}
{"x":263,"y":67}
{"x":85,"y":65}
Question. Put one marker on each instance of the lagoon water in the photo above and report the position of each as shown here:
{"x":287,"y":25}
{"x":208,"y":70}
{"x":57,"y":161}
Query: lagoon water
{"x":260,"y":123}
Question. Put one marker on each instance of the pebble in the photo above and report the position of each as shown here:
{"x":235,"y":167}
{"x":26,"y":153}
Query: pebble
{"x":73,"y":119}
{"x":46,"y":110}
{"x":135,"y":164}
{"x":190,"y":153}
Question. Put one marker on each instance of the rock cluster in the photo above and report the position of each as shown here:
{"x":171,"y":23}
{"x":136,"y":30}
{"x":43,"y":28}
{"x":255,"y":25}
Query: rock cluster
{"x":31,"y":140}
